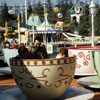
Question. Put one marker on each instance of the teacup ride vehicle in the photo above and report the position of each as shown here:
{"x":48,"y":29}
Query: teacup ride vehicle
{"x":93,"y":81}
{"x":83,"y":64}
{"x":43,"y":79}
{"x":8,"y":53}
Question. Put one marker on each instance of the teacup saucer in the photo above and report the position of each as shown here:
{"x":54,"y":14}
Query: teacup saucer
{"x":72,"y":93}
{"x":5,"y":70}
{"x":91,"y":82}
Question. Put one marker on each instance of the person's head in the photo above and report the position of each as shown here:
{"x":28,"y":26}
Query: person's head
{"x":23,"y":51}
{"x":37,"y":42}
{"x":63,"y":52}
{"x":21,"y":44}
{"x":7,"y":44}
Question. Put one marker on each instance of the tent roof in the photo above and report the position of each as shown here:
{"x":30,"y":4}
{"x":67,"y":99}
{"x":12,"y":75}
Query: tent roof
{"x":33,"y":20}
{"x":45,"y":26}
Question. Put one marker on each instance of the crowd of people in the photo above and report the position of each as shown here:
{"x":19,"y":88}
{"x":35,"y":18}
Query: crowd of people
{"x":37,"y":51}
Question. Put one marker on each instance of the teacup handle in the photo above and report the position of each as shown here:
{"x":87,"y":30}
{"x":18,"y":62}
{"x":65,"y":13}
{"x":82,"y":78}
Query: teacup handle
{"x":93,"y":59}
{"x":97,"y":62}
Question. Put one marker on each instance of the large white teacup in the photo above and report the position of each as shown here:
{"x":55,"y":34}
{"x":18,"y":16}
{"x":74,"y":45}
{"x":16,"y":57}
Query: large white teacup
{"x":43,"y":79}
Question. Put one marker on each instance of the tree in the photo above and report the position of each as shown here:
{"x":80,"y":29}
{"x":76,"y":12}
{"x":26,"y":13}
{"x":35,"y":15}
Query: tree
{"x":5,"y":16}
{"x":68,"y":4}
{"x":84,"y":25}
{"x":29,"y":10}
{"x":73,"y":26}
{"x":51,"y":14}
{"x":97,"y":23}
{"x":38,"y":9}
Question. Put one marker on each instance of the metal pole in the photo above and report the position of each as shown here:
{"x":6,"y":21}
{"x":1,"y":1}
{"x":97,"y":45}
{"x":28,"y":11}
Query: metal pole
{"x":33,"y":33}
{"x":26,"y":11}
{"x":45,"y":13}
{"x":92,"y":18}
{"x":45,"y":20}
{"x":19,"y":37}
{"x":21,"y":13}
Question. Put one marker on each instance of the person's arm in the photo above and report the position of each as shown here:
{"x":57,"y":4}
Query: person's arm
{"x":44,"y":52}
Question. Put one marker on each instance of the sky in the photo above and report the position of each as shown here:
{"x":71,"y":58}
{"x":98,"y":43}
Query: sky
{"x":21,"y":2}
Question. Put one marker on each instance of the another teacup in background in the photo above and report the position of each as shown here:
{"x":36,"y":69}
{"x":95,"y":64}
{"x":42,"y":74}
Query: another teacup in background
{"x":95,"y":61}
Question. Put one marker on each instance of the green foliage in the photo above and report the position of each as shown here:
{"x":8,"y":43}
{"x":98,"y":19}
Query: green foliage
{"x":84,"y":25}
{"x":38,"y":9}
{"x":66,"y":17}
{"x":29,"y":9}
{"x":97,"y":22}
{"x":73,"y":26}
{"x":52,"y":15}
{"x":4,"y":15}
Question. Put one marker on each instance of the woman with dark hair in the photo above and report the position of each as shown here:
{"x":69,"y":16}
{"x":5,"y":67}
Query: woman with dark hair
{"x":7,"y":45}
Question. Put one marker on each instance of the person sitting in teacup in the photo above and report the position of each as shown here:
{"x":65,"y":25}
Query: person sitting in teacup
{"x":13,"y":41}
{"x":7,"y":45}
{"x":38,"y":51}
{"x":23,"y":52}
{"x":63,"y":52}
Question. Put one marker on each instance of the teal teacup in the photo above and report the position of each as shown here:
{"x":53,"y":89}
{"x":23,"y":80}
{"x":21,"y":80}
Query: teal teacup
{"x":95,"y":61}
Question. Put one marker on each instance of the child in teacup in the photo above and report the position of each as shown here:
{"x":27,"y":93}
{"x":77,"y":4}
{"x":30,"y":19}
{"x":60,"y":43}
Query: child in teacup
{"x":23,"y":52}
{"x":63,"y":52}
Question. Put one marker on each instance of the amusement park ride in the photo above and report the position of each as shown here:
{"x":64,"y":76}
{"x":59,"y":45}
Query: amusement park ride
{"x":49,"y":34}
{"x":82,"y":66}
